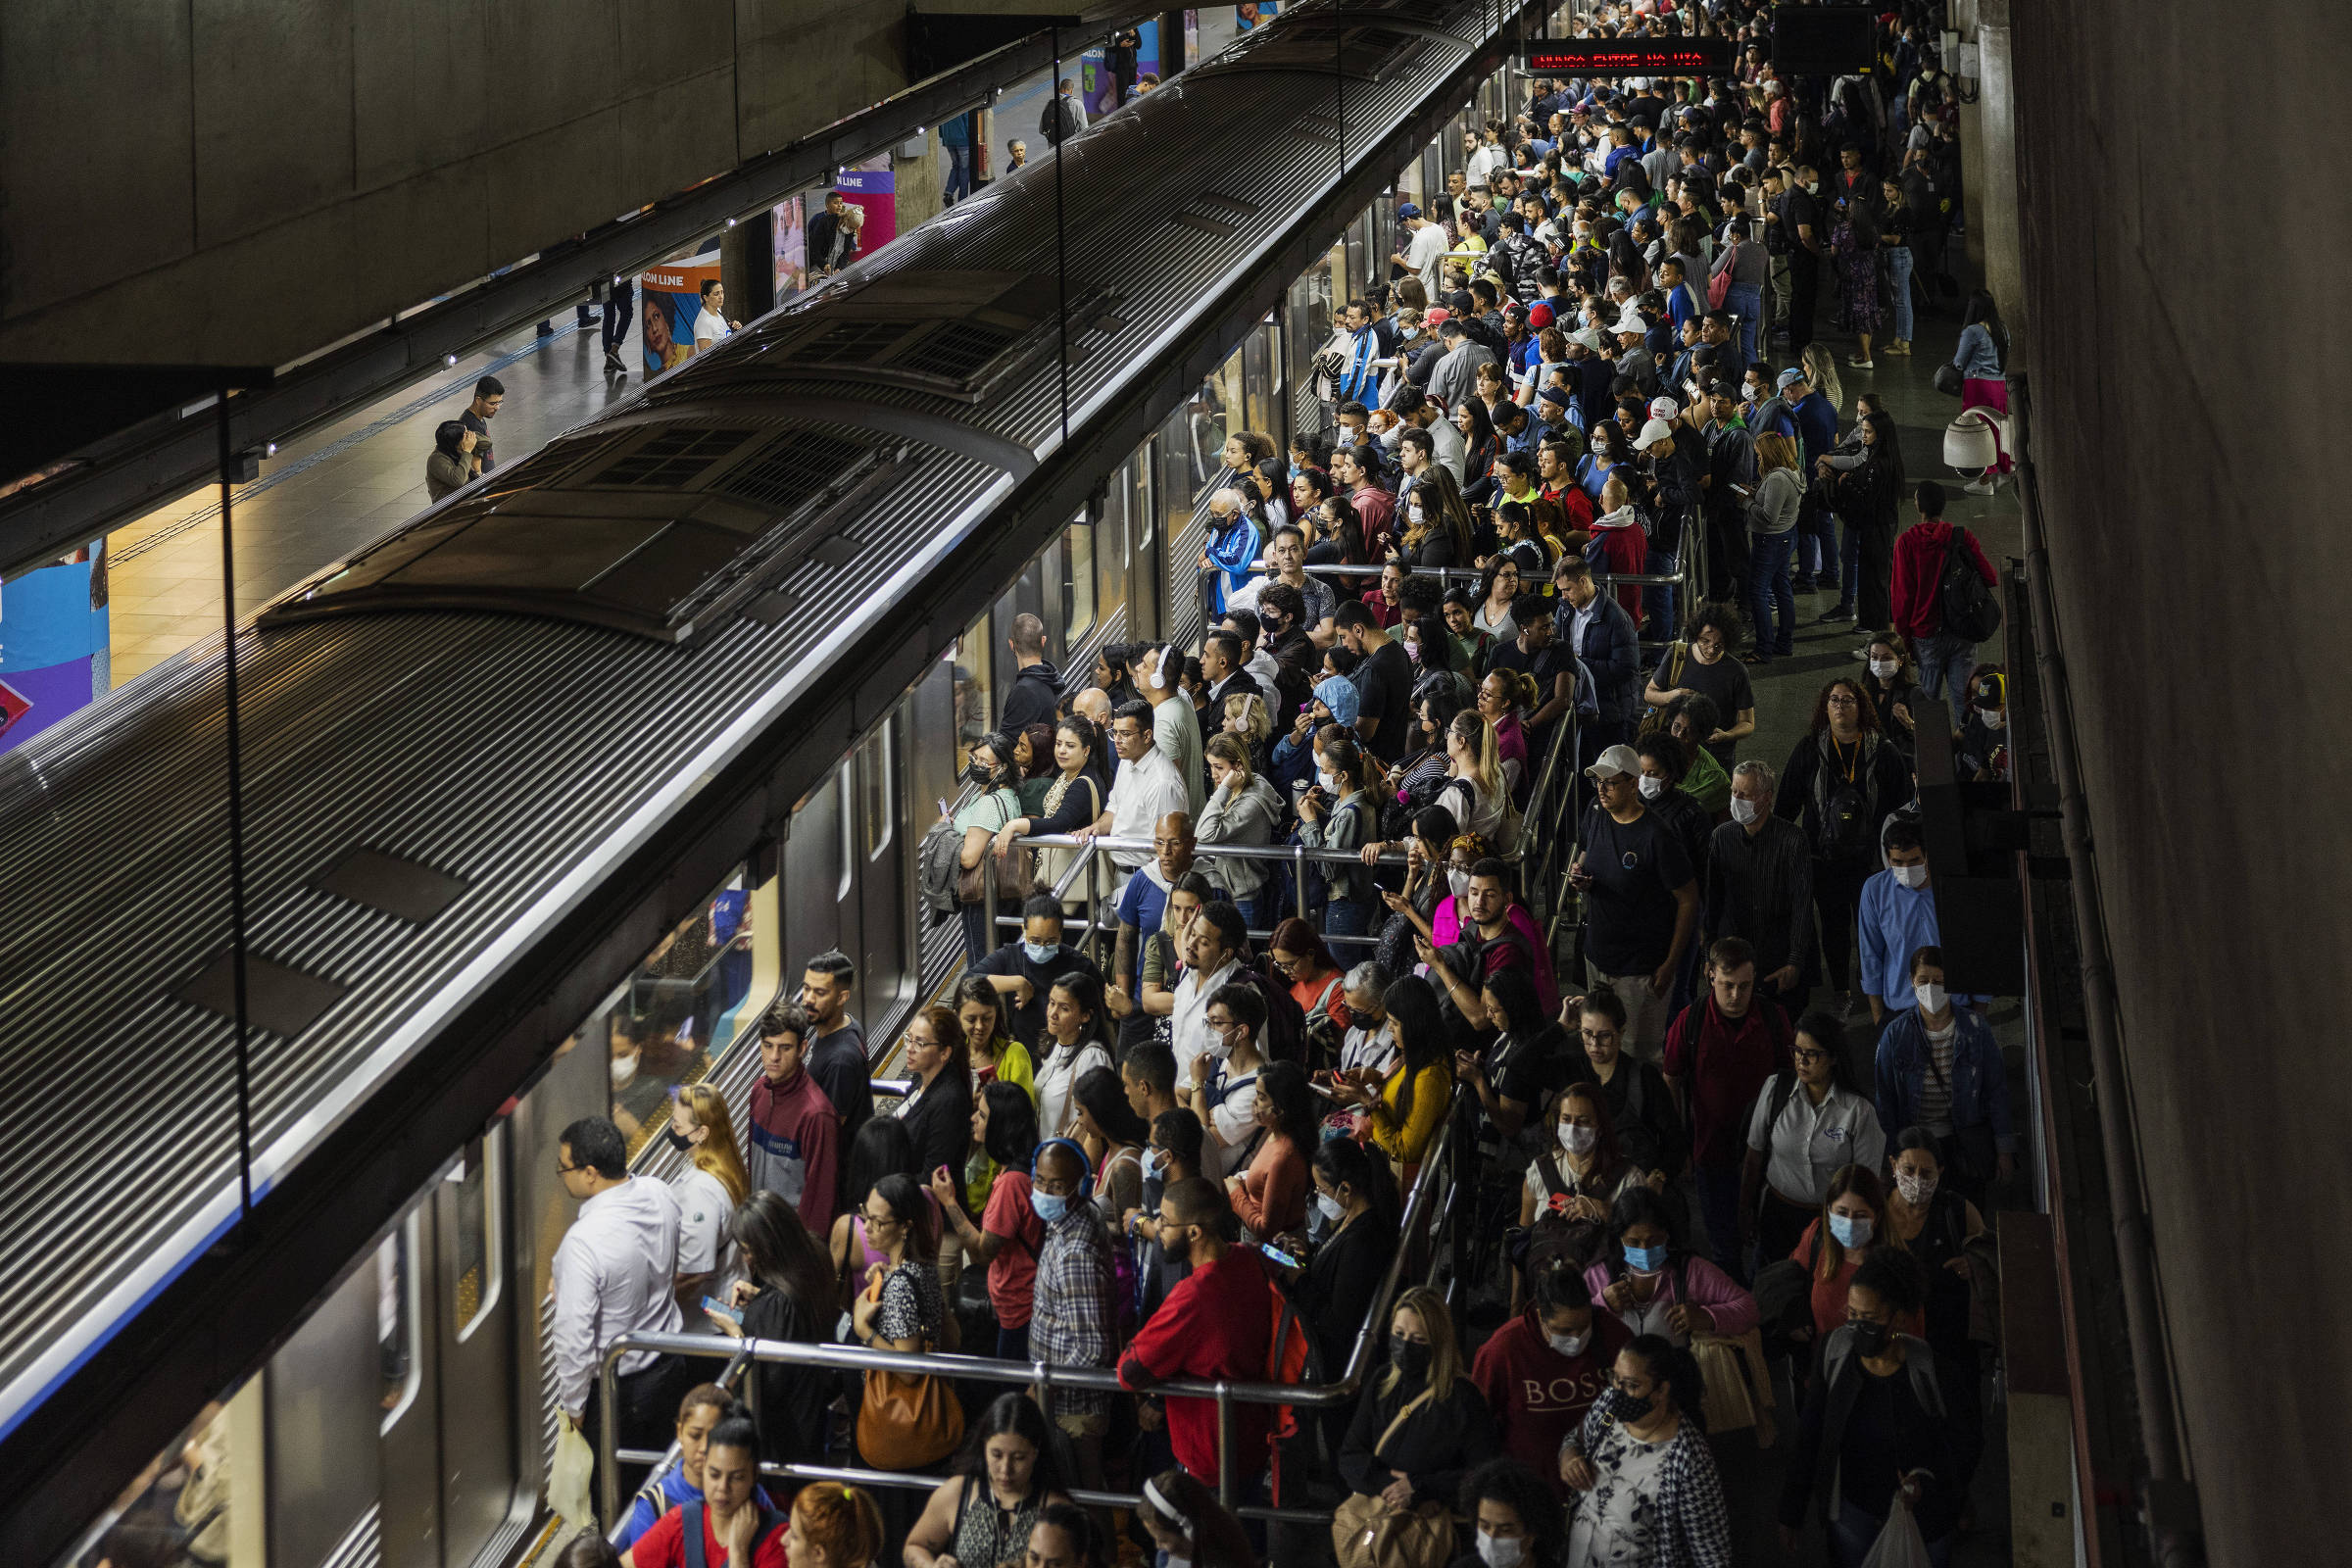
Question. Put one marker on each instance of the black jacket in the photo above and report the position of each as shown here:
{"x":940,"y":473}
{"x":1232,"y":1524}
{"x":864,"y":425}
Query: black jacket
{"x":1336,"y":1287}
{"x":1035,"y":695}
{"x":793,"y":1399}
{"x":1437,"y":1445}
{"x":941,"y":1125}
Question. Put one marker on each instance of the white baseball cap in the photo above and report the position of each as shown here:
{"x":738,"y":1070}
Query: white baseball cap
{"x":1616,"y":759}
{"x":1656,"y":431}
{"x":1664,"y":408}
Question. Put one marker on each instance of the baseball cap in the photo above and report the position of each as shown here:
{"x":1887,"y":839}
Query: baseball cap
{"x":1539,"y":316}
{"x":1588,"y":337}
{"x":1409,"y":210}
{"x":1616,"y":759}
{"x":1664,"y":408}
{"x":1656,"y":431}
{"x":1793,"y":374}
{"x":1554,"y":394}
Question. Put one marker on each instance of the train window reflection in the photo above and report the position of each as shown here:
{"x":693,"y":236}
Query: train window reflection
{"x":1078,"y":581}
{"x":481,"y":1262}
{"x":975,"y":690}
{"x":396,"y":1315}
{"x":683,"y":1005}
{"x":878,"y":790}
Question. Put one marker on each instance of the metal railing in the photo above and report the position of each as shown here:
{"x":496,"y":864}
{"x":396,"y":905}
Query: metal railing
{"x":1422,"y":1220}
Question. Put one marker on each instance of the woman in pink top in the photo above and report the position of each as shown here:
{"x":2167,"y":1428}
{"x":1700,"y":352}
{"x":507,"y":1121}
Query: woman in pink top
{"x":1270,"y":1195}
{"x":1655,"y":1286}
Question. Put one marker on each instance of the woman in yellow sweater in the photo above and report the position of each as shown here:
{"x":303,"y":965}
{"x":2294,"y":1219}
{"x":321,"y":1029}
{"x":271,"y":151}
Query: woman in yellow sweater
{"x":1406,"y":1108}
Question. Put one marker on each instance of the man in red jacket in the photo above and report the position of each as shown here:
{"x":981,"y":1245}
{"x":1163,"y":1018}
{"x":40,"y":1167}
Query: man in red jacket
{"x":1719,"y":1054}
{"x":1217,"y":1323}
{"x":1542,"y":1371}
{"x":1944,"y":662}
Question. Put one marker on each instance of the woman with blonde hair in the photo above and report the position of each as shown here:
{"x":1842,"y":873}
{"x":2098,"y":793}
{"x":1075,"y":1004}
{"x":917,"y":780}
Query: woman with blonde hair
{"x":1772,"y":512}
{"x":708,"y":1186}
{"x":1243,"y":808}
{"x":1479,"y":795}
{"x":1251,"y":721}
{"x":1820,"y":364}
{"x":1421,"y":1425}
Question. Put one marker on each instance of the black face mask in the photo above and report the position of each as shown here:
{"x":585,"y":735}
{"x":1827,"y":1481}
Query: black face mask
{"x":1870,"y":1339}
{"x":977,"y":771}
{"x":1409,"y":1356}
{"x":1628,"y":1408}
{"x":680,"y":1141}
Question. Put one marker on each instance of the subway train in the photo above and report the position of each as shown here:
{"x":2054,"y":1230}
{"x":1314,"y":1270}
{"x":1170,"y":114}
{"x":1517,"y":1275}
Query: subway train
{"x":542,"y":797}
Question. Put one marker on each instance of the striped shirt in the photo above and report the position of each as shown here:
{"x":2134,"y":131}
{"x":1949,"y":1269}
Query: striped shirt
{"x":1935,"y":1094}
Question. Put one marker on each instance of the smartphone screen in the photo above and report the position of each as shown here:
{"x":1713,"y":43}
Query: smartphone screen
{"x":712,"y":1304}
{"x":1278,"y":1255}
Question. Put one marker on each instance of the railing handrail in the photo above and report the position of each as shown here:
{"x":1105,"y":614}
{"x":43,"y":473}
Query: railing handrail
{"x":1045,"y":1375}
{"x":1222,"y":852}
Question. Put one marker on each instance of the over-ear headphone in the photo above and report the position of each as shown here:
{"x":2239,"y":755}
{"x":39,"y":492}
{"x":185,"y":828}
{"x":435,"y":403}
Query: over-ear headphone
{"x":1085,"y":1166}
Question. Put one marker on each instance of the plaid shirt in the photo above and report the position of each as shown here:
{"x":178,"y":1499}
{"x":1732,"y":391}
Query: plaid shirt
{"x":1074,"y":1321}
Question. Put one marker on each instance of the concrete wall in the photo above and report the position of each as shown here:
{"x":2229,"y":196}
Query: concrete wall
{"x":245,"y":180}
{"x":2181,"y":319}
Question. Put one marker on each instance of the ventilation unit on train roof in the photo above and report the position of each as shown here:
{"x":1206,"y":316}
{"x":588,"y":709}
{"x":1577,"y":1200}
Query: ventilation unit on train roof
{"x":1363,"y":51}
{"x":953,"y":333}
{"x":662,"y":531}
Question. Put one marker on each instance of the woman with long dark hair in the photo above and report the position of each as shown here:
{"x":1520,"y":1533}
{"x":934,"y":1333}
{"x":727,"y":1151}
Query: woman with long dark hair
{"x":1646,"y":1484}
{"x":1842,"y":781}
{"x":1983,"y":350}
{"x":1407,"y":1104}
{"x":1479,"y":447}
{"x":786,"y":1293}
{"x":983,"y":1512}
{"x":1269,"y":1197}
{"x":1866,"y":491}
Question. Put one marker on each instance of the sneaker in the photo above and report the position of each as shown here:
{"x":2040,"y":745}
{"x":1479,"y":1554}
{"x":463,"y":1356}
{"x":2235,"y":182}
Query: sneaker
{"x":1836,"y":612}
{"x":1860,"y":363}
{"x":1983,"y":487}
{"x":1801,"y":584}
{"x":613,"y":365}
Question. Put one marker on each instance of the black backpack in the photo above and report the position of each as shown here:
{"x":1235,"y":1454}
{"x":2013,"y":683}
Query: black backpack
{"x":1969,"y":607}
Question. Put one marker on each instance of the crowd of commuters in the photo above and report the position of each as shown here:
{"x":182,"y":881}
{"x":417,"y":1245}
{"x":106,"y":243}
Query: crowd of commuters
{"x":1749,"y":1127}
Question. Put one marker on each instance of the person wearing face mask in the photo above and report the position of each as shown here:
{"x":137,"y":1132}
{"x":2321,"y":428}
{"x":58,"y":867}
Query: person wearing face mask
{"x":1877,"y":1426}
{"x":1644,"y":1117}
{"x":1355,"y":1209}
{"x":1892,"y":691}
{"x":708,"y":1186}
{"x":1543,"y":1369}
{"x":979,"y":820}
{"x":1807,"y":1125}
{"x":1655,"y":1284}
{"x":1665,"y":763}
{"x":1852,"y":1221}
{"x":1981,"y":753}
{"x":1939,"y":1068}
{"x":1172,"y":1155}
{"x":1074,"y":1316}
{"x":1222,"y":1083}
{"x":1898,"y":918}
{"x":1421,"y":1423}
{"x":1571,"y":1187}
{"x":1516,"y":1519}
{"x":1648,"y":1491}
{"x":1218,"y":1323}
{"x":1339,"y":814}
{"x":1759,"y":886}
{"x":1946,"y":1235}
{"x":1022,"y":970}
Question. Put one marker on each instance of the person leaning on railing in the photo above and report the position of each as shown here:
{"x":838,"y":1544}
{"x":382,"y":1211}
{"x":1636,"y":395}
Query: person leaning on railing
{"x":1357,"y":1205}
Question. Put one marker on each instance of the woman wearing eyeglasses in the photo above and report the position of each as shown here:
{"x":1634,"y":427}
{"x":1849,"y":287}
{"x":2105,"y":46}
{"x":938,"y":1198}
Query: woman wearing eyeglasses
{"x":1806,"y":1127}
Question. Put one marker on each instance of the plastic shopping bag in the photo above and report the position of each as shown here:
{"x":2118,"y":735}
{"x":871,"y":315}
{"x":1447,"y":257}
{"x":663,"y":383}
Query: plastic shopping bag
{"x":1899,"y":1544}
{"x":568,"y":1491}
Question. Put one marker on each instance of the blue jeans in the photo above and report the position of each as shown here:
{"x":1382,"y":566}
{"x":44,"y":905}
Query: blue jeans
{"x":1719,"y":1211}
{"x":1899,"y":272}
{"x":1347,"y":918}
{"x":1849,"y":555}
{"x":1768,"y":591}
{"x":1658,"y":603}
{"x":1946,"y":665}
{"x":959,"y":182}
{"x":1747,"y":301}
{"x":976,"y":933}
{"x":1257,"y":911}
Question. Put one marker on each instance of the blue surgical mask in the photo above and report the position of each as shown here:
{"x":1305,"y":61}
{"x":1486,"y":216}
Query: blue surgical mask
{"x":1646,"y":1260}
{"x":1040,"y":952}
{"x":1155,"y":1163}
{"x":1050,"y":1206}
{"x":1852,"y":1230}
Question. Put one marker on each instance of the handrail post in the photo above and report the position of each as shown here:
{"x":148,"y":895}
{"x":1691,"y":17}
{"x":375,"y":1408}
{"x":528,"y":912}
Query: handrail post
{"x":607,"y":1437}
{"x":1298,"y":876}
{"x":1225,"y":1443}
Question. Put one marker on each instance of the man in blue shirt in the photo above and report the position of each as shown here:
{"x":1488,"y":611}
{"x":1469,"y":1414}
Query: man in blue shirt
{"x":1898,"y":918}
{"x":1817,"y":530}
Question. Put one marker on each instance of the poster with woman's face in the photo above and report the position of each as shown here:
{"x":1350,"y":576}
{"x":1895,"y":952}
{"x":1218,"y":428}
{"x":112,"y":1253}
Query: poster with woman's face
{"x":669,"y":301}
{"x":791,"y":230}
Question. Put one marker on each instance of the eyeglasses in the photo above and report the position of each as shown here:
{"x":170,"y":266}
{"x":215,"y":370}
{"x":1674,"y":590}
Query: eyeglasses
{"x":562,"y":1169}
{"x":1807,"y":1053}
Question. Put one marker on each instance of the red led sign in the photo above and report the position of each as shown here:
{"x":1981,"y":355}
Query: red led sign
{"x":1630,"y":57}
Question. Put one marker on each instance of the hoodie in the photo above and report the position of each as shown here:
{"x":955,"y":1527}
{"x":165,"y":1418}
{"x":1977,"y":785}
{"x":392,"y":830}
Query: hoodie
{"x":1621,"y":545}
{"x":1539,"y":1396}
{"x":1035,"y":696}
{"x":1248,"y":815}
{"x":1919,"y":554}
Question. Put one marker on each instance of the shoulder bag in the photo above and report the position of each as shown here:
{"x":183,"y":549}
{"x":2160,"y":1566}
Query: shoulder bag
{"x":1367,"y":1531}
{"x":906,"y":1423}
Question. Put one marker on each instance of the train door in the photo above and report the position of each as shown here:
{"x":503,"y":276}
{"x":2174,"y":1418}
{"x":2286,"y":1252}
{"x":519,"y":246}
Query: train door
{"x":1131,"y":501}
{"x":886,"y":978}
{"x":439,"y":1314}
{"x":817,"y":883}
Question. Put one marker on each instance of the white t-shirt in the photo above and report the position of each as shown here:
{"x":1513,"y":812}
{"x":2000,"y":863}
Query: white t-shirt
{"x":1233,"y":1109}
{"x":710,"y":327}
{"x":703,"y":1210}
{"x":1057,"y":1074}
{"x":1425,"y":253}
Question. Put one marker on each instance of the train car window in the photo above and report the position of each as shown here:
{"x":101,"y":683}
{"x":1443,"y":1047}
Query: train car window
{"x":1077,"y":580}
{"x":397,"y":1314}
{"x":684,"y":1005}
{"x":1139,"y":517}
{"x":1114,"y":557}
{"x":1260,"y":381}
{"x":975,"y":690}
{"x":482,"y":1261}
{"x":1312,"y":311}
{"x":878,"y":790}
{"x":845,"y":791}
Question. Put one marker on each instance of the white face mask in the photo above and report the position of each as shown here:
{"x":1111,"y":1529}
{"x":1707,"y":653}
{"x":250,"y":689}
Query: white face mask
{"x":1569,"y":1344}
{"x":624,"y":1068}
{"x":1743,"y":809}
{"x":1499,"y":1552}
{"x":1459,"y":882}
{"x":1990,"y":717}
{"x":1884,"y":669}
{"x":1577,"y":1139}
{"x":1332,"y":1209}
{"x":1932,"y":998}
{"x":1652,"y":786}
{"x":1916,"y":1187}
{"x":1326,"y":780}
{"x":1415,"y":511}
{"x":1910,"y":876}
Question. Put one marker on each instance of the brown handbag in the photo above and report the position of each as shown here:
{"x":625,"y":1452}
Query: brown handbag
{"x":905,"y":1423}
{"x":1367,"y":1531}
{"x":1016,"y":870}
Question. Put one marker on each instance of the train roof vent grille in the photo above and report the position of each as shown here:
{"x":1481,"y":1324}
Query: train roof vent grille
{"x":792,"y":470}
{"x":1365,"y":52}
{"x":954,"y":333}
{"x":673,"y":460}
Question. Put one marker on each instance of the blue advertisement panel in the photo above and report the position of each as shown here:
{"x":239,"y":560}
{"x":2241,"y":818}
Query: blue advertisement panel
{"x":53,"y":643}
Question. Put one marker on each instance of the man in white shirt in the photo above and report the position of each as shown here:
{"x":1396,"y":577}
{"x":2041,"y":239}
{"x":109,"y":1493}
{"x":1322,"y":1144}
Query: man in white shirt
{"x":1175,"y":727}
{"x":1148,"y":787}
{"x":1424,"y":248}
{"x":1215,"y":944}
{"x":614,"y":1274}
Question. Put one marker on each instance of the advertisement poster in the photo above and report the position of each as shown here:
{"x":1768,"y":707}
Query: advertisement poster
{"x":53,"y":643}
{"x":790,"y":230}
{"x":872,"y":187}
{"x":1247,"y":16}
{"x":669,"y":299}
